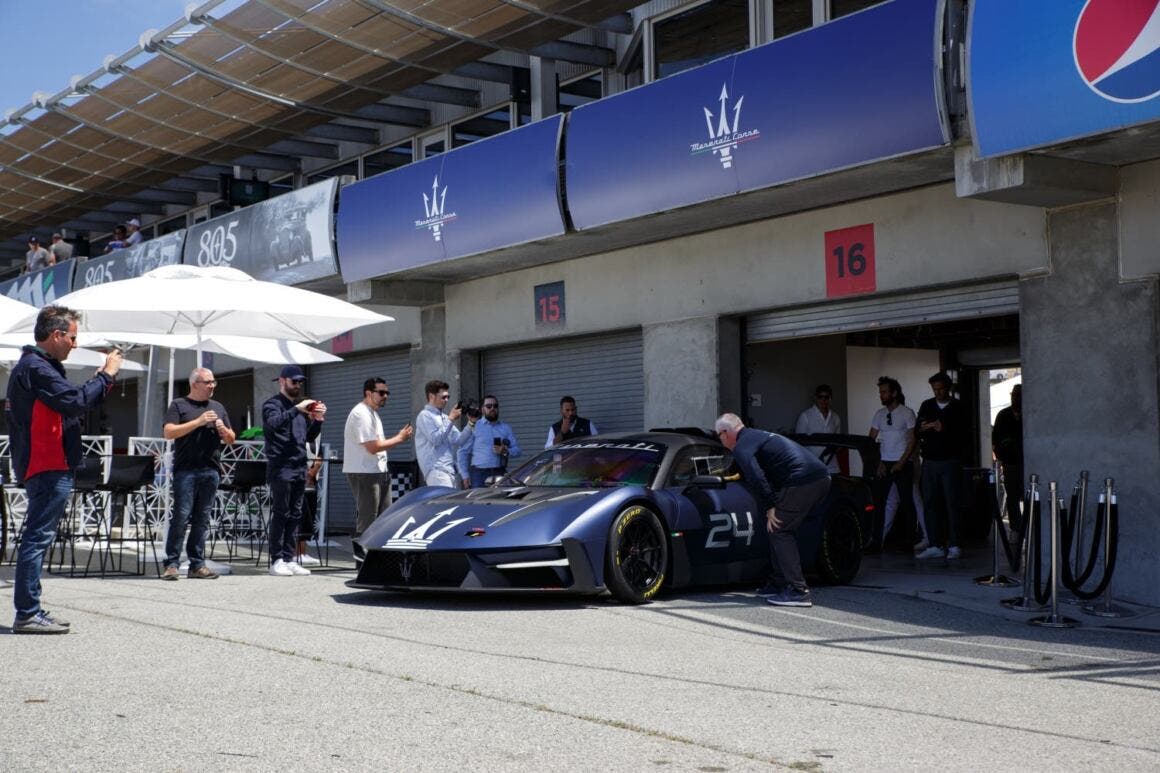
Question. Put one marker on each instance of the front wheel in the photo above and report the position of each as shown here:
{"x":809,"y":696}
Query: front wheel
{"x":840,"y":554}
{"x":634,"y":568}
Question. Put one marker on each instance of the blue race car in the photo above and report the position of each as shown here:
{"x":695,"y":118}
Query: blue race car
{"x":628,"y":514}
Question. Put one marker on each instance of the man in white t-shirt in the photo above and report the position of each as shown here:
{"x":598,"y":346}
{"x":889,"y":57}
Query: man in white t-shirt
{"x":893,"y":428}
{"x":818,"y":418}
{"x":364,"y":454}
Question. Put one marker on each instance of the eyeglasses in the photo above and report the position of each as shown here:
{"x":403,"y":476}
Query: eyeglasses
{"x":445,"y":397}
{"x":298,"y":381}
{"x":382,"y":392}
{"x":491,"y":405}
{"x":208,"y":383}
{"x":66,"y":335}
{"x":890,"y":419}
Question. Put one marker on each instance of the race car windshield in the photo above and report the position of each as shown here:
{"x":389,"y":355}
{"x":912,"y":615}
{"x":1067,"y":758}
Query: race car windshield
{"x":592,"y":465}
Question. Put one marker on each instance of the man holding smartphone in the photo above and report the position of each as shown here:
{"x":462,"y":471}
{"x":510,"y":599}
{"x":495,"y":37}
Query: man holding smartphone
{"x":489,"y":451}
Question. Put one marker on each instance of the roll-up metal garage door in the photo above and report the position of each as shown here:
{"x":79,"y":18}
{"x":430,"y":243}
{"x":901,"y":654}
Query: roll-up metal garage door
{"x":339,"y":385}
{"x":942,"y":305}
{"x":603,"y":373}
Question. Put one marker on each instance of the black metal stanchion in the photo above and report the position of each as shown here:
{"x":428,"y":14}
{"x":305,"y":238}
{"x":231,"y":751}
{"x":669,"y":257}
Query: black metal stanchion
{"x":995,"y":579}
{"x":1106,"y":608}
{"x":1079,"y":505}
{"x":1053,"y":619}
{"x":1027,"y":602}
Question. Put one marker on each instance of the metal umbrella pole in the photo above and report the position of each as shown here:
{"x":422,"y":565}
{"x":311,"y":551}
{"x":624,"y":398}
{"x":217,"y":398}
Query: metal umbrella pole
{"x":995,"y":579}
{"x":1054,"y":619}
{"x":1106,"y":608}
{"x":1080,"y":489}
{"x":1027,"y":602}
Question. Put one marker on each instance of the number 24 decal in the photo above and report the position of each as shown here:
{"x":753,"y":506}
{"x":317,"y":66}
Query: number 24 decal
{"x":727,"y":527}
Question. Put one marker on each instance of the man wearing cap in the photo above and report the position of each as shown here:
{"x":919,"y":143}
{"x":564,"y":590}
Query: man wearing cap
{"x":61,"y":250}
{"x":289,"y":422}
{"x":37,"y":257}
{"x":134,"y":228}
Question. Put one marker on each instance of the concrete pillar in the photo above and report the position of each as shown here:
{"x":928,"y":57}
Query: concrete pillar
{"x":431,"y":359}
{"x":1090,"y":383}
{"x":691,"y":371}
{"x":544,"y":95}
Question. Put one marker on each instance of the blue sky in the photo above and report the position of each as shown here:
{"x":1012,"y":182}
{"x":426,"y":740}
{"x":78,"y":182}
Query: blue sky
{"x":52,"y":40}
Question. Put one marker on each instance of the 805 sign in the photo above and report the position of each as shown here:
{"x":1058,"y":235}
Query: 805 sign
{"x":218,"y":245}
{"x":850,"y":261}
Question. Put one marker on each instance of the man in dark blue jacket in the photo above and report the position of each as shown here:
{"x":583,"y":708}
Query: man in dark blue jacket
{"x":44,"y":423}
{"x":288,"y":424}
{"x":788,"y":482}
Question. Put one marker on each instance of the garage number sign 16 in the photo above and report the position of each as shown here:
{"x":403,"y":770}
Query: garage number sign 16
{"x":850,"y":261}
{"x":549,"y":302}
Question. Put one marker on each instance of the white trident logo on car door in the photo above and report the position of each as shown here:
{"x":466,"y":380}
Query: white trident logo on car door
{"x":418,"y":539}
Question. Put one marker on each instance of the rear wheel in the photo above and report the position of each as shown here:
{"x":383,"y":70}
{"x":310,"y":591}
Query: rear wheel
{"x":840,"y":554}
{"x":634,"y":568}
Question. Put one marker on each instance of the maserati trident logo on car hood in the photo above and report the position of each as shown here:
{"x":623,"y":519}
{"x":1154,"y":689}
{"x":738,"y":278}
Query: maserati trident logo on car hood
{"x":418,"y":538}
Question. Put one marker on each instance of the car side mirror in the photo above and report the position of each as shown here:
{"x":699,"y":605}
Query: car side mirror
{"x":706,"y":481}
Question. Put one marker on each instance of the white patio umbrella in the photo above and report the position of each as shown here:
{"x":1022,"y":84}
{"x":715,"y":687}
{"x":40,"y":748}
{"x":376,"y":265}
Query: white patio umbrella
{"x":77,"y":358}
{"x":212,"y":301}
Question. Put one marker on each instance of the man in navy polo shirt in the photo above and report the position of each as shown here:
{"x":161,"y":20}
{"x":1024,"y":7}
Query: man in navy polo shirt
{"x":788,"y":482}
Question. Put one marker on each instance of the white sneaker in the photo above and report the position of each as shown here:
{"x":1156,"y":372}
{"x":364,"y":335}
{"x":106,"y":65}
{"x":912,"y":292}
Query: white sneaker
{"x":308,"y":560}
{"x":954,"y":552}
{"x":921,"y":545}
{"x":282,"y":569}
{"x":931,"y":552}
{"x":296,"y":569}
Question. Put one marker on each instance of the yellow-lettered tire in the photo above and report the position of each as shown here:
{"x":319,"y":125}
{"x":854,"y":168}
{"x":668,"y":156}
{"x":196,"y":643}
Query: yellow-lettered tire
{"x":637,"y":555}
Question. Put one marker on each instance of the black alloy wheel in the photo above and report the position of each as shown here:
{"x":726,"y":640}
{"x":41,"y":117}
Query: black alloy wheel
{"x":638,"y":553}
{"x":840,"y":554}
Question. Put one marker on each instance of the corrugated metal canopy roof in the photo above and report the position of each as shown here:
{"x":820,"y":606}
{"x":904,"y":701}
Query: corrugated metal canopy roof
{"x":242,"y":88}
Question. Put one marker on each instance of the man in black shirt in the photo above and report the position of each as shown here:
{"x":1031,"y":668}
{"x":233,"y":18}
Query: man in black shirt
{"x":197,"y":425}
{"x":1007,"y":444}
{"x":943,"y":428}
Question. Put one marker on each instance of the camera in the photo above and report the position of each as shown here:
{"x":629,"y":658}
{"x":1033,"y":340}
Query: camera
{"x":470,"y":407}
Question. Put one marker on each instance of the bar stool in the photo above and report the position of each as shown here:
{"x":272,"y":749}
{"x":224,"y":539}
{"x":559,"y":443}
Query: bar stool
{"x":128,"y":477}
{"x":240,"y":507}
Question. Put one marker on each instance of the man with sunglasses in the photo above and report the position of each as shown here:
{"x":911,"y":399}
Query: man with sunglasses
{"x":364,"y":454}
{"x":198,"y":425}
{"x":44,"y":412}
{"x":819,"y":418}
{"x":437,"y":439}
{"x":893,"y":428}
{"x":493,"y":444}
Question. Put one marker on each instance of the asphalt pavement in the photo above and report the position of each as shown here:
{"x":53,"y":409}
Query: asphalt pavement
{"x":912,"y":668}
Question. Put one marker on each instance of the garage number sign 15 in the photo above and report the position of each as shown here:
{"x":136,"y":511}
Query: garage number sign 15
{"x":850,"y":261}
{"x":549,"y":302}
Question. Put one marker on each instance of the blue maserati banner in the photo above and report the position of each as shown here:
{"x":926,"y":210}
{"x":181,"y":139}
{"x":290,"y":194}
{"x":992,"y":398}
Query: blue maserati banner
{"x":130,"y":261}
{"x":1045,"y":72}
{"x":858,"y":89}
{"x":42,"y":287}
{"x":488,"y":195}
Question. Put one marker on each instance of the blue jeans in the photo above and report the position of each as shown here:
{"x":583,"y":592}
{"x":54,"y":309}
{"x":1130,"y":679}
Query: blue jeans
{"x":479,"y":475}
{"x":47,"y":494}
{"x":194,"y":492}
{"x":285,"y":510}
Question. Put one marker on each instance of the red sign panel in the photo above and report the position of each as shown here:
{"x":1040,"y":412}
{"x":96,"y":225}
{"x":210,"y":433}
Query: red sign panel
{"x":850,"y":261}
{"x":343,"y":343}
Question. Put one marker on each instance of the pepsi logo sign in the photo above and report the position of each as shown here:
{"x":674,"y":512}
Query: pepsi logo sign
{"x":1117,"y":48}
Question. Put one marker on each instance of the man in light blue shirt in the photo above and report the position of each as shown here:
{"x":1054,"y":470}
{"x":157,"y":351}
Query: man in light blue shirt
{"x":492,"y":446}
{"x":437,"y":438}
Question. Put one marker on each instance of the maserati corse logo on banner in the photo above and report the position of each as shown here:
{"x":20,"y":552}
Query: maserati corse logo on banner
{"x":723,"y":136}
{"x":436,"y":209}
